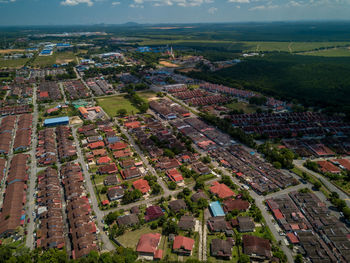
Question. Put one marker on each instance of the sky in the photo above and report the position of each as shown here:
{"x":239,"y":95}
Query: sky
{"x":87,"y":12}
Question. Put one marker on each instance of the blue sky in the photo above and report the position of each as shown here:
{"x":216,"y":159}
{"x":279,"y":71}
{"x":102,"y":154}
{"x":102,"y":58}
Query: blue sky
{"x":63,"y":12}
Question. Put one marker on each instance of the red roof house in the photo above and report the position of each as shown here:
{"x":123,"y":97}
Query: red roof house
{"x":183,"y":245}
{"x":142,"y":185}
{"x":174,"y":175}
{"x":221,"y":190}
{"x":148,"y":245}
{"x":95,"y":145}
{"x":292,"y":238}
{"x":117,"y":146}
{"x":104,"y":160}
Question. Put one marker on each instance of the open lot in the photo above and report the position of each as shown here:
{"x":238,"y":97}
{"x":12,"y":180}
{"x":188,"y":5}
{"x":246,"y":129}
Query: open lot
{"x":55,"y":58}
{"x":333,"y":52}
{"x":13,"y":63}
{"x":246,"y":107}
{"x":112,"y":104}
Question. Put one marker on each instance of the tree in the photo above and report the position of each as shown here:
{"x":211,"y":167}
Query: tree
{"x":186,"y":191}
{"x":172,"y":185}
{"x":202,"y":203}
{"x":298,"y":259}
{"x":243,"y":258}
{"x":122,"y":112}
{"x":317,"y":185}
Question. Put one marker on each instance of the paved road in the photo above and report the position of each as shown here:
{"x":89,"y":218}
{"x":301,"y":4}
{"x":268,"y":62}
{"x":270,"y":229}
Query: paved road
{"x":32,"y":178}
{"x":107,"y":244}
{"x":328,"y":184}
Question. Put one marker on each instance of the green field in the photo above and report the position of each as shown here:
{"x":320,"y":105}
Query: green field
{"x":56,"y":58}
{"x":334,"y":52}
{"x":246,"y":107}
{"x":114,"y":103}
{"x":131,"y":238}
{"x":13,"y":63}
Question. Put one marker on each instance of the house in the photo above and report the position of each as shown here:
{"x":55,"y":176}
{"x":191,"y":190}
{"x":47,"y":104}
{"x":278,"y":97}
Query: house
{"x":256,"y":247}
{"x":166,"y":164}
{"x":328,"y":167}
{"x":103,"y":160}
{"x":128,"y":220}
{"x":115,"y":193}
{"x":245,"y":224}
{"x":199,"y":195}
{"x":201,"y":168}
{"x":130,"y":173}
{"x":235,"y":204}
{"x":96,"y":145}
{"x":177,"y":205}
{"x":148,"y":246}
{"x":99,"y":152}
{"x":111,"y":180}
{"x":153,"y":212}
{"x":174,"y":175}
{"x":183,"y":245}
{"x":122,"y":153}
{"x":187,"y":223}
{"x":219,"y":224}
{"x":117,"y":146}
{"x":221,"y":190}
{"x":292,"y":238}
{"x":127,"y":163}
{"x":132,"y":125}
{"x":108,"y":169}
{"x":221,"y":248}
{"x":216,"y":209}
{"x":142,"y":185}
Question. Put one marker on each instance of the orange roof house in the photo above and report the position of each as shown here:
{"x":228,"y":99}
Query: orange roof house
{"x":148,"y":245}
{"x":221,"y":190}
{"x":95,"y":145}
{"x":183,"y":245}
{"x":174,"y":175}
{"x":132,"y":125}
{"x":104,"y":160}
{"x":142,"y":185}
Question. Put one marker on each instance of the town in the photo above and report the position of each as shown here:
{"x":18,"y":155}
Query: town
{"x":103,"y":151}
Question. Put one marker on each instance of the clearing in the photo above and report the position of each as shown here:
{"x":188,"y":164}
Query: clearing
{"x":131,"y":238}
{"x":112,"y":104}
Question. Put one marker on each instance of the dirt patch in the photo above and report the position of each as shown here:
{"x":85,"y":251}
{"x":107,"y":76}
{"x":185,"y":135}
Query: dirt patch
{"x":167,"y":64}
{"x":63,"y":61}
{"x":5,"y":51}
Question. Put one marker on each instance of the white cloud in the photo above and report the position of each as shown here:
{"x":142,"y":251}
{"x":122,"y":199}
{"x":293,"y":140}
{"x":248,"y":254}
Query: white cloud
{"x":183,"y":3}
{"x":115,"y":3}
{"x":76,"y":2}
{"x":239,"y":1}
{"x":212,"y":10}
{"x":263,"y":7}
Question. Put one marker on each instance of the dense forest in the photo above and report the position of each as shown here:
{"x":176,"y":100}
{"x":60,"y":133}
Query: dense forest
{"x":313,"y":81}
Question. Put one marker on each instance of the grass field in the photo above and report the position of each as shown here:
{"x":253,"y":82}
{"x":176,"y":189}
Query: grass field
{"x":131,"y":238}
{"x":56,"y":58}
{"x":114,"y":103}
{"x":282,"y":46}
{"x":246,"y":107}
{"x":13,"y":63}
{"x":334,"y":52}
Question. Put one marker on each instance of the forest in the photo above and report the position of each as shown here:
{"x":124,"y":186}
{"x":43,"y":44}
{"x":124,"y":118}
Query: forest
{"x":313,"y":81}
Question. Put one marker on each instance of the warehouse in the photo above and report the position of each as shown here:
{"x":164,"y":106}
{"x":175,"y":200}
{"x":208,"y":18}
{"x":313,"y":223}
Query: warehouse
{"x":56,"y":121}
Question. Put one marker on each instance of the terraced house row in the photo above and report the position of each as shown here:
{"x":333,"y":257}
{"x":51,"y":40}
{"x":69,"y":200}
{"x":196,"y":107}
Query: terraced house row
{"x":50,"y":233}
{"x":13,"y":214}
{"x":82,"y":229}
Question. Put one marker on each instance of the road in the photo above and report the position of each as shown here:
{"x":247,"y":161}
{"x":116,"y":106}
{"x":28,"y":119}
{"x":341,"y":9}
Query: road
{"x":63,"y":93}
{"x":107,"y":244}
{"x":33,"y":175}
{"x":325,"y":181}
